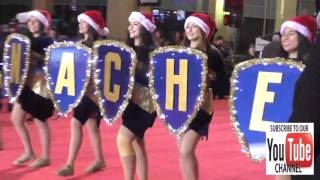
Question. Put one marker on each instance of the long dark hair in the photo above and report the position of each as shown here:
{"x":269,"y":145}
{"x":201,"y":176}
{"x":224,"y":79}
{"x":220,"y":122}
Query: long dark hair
{"x":27,"y":32}
{"x":92,"y":36}
{"x":303,"y":48}
{"x":147,"y":39}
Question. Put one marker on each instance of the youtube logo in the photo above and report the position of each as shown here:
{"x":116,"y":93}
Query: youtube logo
{"x":299,"y":149}
{"x":290,"y":149}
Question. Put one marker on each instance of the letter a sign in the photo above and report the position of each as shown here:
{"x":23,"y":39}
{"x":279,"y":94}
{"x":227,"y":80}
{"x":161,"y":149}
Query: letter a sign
{"x":261,"y":93}
{"x":114,"y":70}
{"x":68,"y":69}
{"x":16,"y":64}
{"x":177,"y":81}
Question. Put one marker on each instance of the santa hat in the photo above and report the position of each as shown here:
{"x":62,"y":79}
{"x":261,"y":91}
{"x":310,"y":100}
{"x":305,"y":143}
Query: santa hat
{"x":42,"y":15}
{"x":95,"y":20}
{"x":146,"y":19}
{"x":305,"y":25}
{"x":204,"y":21}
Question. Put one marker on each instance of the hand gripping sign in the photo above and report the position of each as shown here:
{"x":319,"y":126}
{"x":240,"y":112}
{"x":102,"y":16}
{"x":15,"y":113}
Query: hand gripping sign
{"x":261,"y":93}
{"x":177,"y":82}
{"x":114,"y":76}
{"x":16,"y":64}
{"x":68,"y":68}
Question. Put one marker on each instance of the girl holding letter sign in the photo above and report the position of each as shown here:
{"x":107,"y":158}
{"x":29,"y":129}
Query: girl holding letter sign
{"x":91,"y":28}
{"x":34,"y":99}
{"x":139,"y":114}
{"x":199,"y":28}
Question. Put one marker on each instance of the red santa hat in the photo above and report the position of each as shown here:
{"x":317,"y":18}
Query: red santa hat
{"x":305,"y":25}
{"x":204,"y":21}
{"x":42,"y":15}
{"x":146,"y":19}
{"x":95,"y":20}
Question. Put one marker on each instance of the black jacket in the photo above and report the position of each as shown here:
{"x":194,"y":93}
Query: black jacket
{"x":306,"y":103}
{"x":221,"y":85}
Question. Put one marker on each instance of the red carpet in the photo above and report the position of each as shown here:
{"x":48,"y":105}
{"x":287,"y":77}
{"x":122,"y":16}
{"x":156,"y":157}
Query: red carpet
{"x":219,"y":157}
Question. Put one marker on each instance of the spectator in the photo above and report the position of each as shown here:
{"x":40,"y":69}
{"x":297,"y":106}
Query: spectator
{"x":220,"y":43}
{"x":250,"y":54}
{"x":178,"y":38}
{"x":159,"y":38}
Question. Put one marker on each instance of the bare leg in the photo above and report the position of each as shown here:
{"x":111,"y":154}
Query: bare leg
{"x":74,"y":147}
{"x":1,"y":141}
{"x":75,"y":141}
{"x":142,"y":159}
{"x":95,"y":138}
{"x":283,"y":177}
{"x":125,"y":139}
{"x":188,"y":160}
{"x":17,"y":117}
{"x":45,"y":138}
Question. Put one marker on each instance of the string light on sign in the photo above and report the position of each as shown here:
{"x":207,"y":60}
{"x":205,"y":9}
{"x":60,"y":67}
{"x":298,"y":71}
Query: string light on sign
{"x":7,"y":66}
{"x":235,"y":89}
{"x":87,"y":52}
{"x":173,"y":51}
{"x":101,"y":100}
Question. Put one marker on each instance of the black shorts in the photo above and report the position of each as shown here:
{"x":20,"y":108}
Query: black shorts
{"x":201,"y":122}
{"x":137,"y":120}
{"x":39,"y":107}
{"x":86,"y":109}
